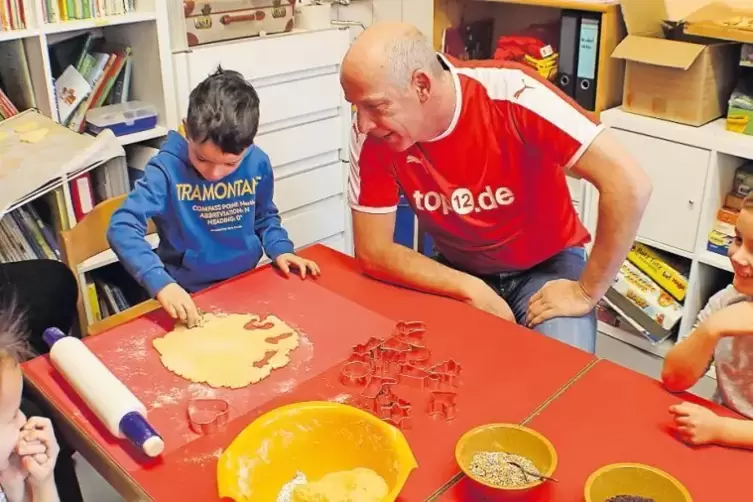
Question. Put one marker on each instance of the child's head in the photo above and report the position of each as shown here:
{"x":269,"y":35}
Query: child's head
{"x":741,"y":250}
{"x":222,"y":120}
{"x":13,"y":350}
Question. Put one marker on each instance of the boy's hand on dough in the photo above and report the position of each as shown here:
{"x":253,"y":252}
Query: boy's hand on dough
{"x":287,"y":261}
{"x":695,"y":424}
{"x":179,"y":304}
{"x":38,"y":448}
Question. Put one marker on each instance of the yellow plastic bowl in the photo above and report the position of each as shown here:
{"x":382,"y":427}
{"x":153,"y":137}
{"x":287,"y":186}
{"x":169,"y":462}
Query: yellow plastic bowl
{"x":510,"y":438}
{"x":634,"y":479}
{"x":315,"y":438}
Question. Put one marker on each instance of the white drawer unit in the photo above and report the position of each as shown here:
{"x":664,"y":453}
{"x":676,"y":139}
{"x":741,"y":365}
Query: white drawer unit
{"x":678,"y":173}
{"x":303,"y":123}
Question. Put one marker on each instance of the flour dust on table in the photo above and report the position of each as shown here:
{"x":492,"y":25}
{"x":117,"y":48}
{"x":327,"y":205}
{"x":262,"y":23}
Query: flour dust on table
{"x":232,"y":350}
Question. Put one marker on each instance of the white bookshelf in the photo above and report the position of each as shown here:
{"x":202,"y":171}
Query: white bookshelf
{"x":145,"y":30}
{"x":692,"y":169}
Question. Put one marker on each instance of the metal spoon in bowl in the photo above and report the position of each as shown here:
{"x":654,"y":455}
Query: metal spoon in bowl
{"x":531,"y":473}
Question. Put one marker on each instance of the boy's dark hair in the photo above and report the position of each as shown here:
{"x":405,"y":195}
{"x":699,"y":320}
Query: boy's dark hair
{"x":223,"y":108}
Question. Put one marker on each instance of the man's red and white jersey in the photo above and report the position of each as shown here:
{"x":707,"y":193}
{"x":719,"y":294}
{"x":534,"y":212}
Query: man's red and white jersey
{"x":491,"y":190}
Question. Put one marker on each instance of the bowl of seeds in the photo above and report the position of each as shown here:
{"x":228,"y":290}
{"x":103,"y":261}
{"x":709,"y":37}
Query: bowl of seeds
{"x":506,"y":457}
{"x":634,"y":483}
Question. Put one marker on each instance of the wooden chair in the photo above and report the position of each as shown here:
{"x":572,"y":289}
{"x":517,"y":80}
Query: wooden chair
{"x":89,"y":238}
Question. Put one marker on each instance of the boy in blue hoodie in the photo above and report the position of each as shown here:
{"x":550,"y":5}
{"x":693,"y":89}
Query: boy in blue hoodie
{"x":210,"y":196}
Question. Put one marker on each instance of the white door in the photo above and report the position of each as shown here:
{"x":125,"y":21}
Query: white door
{"x":678,"y":173}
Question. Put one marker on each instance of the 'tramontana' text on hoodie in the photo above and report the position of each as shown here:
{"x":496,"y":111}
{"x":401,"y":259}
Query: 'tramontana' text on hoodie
{"x":209,"y":230}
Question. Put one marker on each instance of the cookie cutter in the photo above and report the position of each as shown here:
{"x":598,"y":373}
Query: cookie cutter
{"x":207,"y":415}
{"x":442,"y":404}
{"x":375,"y":385}
{"x":355,"y":373}
{"x":411,"y":332}
{"x":365,"y":351}
{"x":448,"y":372}
{"x":398,"y":414}
{"x":418,"y":377}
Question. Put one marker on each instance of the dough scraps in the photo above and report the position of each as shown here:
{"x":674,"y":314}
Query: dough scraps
{"x":34,"y":136}
{"x":224,"y":352}
{"x":358,"y":485}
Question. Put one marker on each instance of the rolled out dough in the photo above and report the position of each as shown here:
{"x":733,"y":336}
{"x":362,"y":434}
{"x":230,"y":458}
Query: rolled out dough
{"x":222,"y":352}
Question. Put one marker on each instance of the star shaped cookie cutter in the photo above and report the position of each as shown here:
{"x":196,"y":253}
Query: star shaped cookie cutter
{"x":207,"y":415}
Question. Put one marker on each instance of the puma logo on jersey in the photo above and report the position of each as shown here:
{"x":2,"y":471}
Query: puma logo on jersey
{"x":520,"y":91}
{"x":410,"y":159}
{"x":463,"y":201}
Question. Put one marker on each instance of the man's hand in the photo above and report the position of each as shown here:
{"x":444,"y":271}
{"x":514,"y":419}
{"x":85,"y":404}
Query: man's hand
{"x":38,"y":448}
{"x":558,"y":298}
{"x":735,"y":320}
{"x":179,"y":304}
{"x":485,"y":298}
{"x":286,"y":261}
{"x":697,"y":425}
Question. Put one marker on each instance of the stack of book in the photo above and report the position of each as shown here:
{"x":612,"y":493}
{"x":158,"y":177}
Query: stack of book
{"x":90,"y":75}
{"x":13,"y":14}
{"x":723,"y":232}
{"x":648,"y":292}
{"x":66,"y":10}
{"x":25,"y":236}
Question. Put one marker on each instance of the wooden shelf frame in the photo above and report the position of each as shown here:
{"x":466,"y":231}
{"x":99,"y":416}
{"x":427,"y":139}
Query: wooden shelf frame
{"x":611,"y":72}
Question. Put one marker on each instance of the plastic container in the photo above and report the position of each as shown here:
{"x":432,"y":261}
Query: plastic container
{"x":116,"y":406}
{"x":123,"y":118}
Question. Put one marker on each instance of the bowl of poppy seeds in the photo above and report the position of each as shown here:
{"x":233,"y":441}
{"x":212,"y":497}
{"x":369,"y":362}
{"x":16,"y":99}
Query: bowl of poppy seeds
{"x":634,"y":483}
{"x":505,"y":457}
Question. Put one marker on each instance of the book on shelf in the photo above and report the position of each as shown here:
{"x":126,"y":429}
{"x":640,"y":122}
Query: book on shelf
{"x":97,"y":73}
{"x":67,"y":10}
{"x":25,"y":236}
{"x":38,"y":153}
{"x":15,"y":78}
{"x":642,"y":301}
{"x":659,"y":268}
{"x":13,"y":14}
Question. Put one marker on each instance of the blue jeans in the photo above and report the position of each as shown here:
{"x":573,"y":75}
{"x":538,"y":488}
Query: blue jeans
{"x":518,"y":287}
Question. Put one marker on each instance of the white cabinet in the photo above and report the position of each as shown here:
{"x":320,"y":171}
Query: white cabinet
{"x":678,"y":173}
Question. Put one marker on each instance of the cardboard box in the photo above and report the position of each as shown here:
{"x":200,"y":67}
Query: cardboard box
{"x":687,"y":80}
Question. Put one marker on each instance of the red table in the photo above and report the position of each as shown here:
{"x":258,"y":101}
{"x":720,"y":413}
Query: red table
{"x":613,"y":415}
{"x":509,"y":372}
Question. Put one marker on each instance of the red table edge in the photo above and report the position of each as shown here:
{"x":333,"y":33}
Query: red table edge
{"x":460,"y":475}
{"x":114,"y":474}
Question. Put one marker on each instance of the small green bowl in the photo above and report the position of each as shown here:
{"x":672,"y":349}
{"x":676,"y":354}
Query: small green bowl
{"x":634,"y":479}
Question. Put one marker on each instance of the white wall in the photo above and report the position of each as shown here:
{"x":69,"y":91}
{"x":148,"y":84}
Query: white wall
{"x":417,"y":12}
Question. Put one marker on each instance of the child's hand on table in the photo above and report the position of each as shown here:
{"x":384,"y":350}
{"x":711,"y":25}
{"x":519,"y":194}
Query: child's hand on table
{"x":696,"y":425}
{"x":179,"y":304}
{"x":287,"y":261}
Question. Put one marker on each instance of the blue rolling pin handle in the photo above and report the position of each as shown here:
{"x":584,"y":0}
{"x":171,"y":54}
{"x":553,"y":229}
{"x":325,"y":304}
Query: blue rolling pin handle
{"x":138,"y":431}
{"x":52,"y":335}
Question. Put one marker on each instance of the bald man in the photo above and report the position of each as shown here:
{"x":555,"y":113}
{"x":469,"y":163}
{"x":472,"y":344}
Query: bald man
{"x":481,"y":154}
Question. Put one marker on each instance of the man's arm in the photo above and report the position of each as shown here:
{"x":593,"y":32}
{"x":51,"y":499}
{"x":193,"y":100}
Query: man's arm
{"x":624,"y":190}
{"x":380,"y":257}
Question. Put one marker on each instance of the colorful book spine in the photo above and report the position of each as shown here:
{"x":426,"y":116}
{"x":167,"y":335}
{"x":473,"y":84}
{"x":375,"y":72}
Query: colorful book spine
{"x":664,"y":275}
